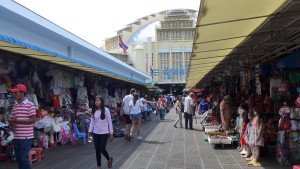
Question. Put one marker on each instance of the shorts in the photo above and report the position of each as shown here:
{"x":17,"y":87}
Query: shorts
{"x":127,"y":117}
{"x":136,"y":116}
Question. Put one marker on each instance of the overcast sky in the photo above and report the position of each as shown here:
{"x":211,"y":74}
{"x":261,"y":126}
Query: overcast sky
{"x":95,"y":20}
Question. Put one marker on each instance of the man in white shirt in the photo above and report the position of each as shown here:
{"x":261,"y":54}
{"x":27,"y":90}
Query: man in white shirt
{"x":125,"y":111}
{"x":189,"y":110}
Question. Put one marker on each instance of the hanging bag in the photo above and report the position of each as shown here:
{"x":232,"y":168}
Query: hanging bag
{"x":285,"y":123}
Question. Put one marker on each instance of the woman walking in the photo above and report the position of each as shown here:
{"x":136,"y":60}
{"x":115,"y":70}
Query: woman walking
{"x":178,"y":106}
{"x":135,"y":107}
{"x":101,"y":128}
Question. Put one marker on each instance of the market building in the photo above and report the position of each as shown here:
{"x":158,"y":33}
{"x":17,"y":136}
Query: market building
{"x":159,"y":45}
{"x":249,"y":50}
{"x":62,"y":73}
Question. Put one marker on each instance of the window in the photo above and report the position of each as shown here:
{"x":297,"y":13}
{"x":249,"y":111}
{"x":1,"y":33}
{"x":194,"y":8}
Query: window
{"x":163,"y":34}
{"x":176,"y":34}
{"x":187,"y":56}
{"x":189,"y":33}
{"x":152,"y":60}
{"x":176,"y":56}
{"x":164,"y":56}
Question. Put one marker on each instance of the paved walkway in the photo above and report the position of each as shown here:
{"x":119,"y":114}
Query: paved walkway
{"x":163,"y":147}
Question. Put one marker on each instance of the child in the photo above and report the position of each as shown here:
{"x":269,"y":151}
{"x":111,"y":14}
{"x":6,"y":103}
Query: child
{"x":244,"y":122}
{"x":239,"y":121}
{"x":256,"y":137}
{"x":246,"y":136}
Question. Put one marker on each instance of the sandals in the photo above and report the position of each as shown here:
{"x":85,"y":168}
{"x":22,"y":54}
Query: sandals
{"x":109,"y":163}
{"x":254,"y":163}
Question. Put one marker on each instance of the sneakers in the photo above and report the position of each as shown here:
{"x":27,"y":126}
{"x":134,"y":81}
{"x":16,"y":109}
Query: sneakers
{"x":243,"y":152}
{"x":139,"y":138}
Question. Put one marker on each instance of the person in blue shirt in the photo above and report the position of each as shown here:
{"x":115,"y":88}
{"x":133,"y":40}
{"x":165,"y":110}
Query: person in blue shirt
{"x":203,"y":106}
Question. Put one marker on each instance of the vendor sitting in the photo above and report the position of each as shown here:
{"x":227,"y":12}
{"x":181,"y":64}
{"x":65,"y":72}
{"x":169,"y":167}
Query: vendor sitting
{"x":203,"y":106}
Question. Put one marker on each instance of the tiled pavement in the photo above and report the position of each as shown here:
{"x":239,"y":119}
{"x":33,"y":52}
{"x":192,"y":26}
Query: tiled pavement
{"x":163,"y":147}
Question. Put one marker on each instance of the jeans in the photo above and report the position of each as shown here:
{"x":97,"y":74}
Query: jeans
{"x":22,"y":148}
{"x":161,"y":114}
{"x":100,"y":141}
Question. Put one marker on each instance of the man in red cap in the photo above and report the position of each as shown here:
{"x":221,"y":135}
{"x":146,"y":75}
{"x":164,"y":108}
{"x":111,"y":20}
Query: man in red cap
{"x":22,"y":118}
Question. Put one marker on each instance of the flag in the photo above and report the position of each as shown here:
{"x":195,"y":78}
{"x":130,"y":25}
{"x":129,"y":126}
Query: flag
{"x":122,"y":45}
{"x":151,"y":71}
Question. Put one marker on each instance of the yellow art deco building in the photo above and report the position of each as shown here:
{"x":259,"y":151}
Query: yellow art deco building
{"x":159,"y":45}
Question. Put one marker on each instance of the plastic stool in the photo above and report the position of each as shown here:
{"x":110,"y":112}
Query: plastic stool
{"x":296,"y":167}
{"x":32,"y":156}
{"x":39,"y":152}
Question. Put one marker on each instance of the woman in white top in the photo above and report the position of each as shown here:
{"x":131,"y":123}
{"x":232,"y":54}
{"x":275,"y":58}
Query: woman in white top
{"x":135,"y":107}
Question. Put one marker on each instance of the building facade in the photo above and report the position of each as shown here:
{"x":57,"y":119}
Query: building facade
{"x":159,"y":45}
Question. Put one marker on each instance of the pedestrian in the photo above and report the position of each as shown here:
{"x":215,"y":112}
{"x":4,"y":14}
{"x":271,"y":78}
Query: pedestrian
{"x":126,"y":112}
{"x":161,"y":106}
{"x":203,"y":107}
{"x":256,"y":137}
{"x":244,"y":112}
{"x":148,"y":107}
{"x":225,"y":112}
{"x":101,"y":127}
{"x":136,"y":107}
{"x":145,"y":108}
{"x":246,"y":137}
{"x":178,"y":111}
{"x":189,"y":110}
{"x":22,"y":120}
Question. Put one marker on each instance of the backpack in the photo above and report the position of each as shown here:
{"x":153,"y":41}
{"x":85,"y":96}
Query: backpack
{"x":119,"y":132}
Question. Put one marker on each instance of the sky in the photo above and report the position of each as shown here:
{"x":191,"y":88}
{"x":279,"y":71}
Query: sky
{"x":95,"y":20}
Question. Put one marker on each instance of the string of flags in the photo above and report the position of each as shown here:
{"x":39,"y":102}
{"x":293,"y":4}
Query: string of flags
{"x":170,"y":73}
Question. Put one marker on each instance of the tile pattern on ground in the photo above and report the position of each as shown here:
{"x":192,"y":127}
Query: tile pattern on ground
{"x":163,"y":147}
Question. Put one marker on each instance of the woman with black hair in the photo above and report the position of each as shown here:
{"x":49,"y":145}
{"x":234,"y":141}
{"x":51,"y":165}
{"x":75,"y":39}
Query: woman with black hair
{"x":101,"y":127}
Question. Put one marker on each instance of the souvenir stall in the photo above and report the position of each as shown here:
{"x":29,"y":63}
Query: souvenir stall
{"x":285,"y":93}
{"x":62,"y":97}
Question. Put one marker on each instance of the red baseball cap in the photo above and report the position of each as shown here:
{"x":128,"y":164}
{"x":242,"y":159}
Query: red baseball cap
{"x":19,"y":88}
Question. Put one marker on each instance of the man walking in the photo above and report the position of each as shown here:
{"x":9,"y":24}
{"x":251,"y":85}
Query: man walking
{"x":189,"y":110}
{"x":23,"y":117}
{"x":125,"y":111}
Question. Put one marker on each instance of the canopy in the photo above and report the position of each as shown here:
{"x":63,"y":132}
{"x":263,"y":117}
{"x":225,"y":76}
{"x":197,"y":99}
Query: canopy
{"x":17,"y":46}
{"x":221,"y":26}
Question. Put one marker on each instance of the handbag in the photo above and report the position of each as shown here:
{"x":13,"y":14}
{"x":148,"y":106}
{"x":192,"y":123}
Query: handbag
{"x":285,"y":124}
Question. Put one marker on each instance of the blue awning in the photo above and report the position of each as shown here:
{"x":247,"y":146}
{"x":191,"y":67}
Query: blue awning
{"x":18,"y":46}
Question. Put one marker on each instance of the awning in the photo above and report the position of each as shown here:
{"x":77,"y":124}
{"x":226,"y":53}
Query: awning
{"x":33,"y":51}
{"x":221,"y":26}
